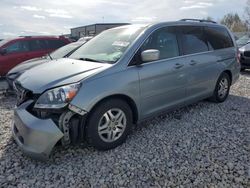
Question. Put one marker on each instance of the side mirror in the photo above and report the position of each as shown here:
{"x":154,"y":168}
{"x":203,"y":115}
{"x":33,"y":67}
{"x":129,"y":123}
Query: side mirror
{"x":3,"y":51}
{"x":150,"y":55}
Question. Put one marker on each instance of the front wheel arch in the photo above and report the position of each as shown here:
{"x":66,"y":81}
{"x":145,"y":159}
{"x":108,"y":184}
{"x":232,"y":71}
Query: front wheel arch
{"x":125,"y":98}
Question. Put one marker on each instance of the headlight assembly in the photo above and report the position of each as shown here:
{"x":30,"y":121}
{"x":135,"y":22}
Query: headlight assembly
{"x":14,"y":76}
{"x":58,"y":97}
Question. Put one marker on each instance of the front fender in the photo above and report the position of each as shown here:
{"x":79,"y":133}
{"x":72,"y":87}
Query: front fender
{"x":125,"y":82}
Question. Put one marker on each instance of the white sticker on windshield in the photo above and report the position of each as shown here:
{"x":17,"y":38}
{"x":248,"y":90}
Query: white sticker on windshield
{"x":120,"y":43}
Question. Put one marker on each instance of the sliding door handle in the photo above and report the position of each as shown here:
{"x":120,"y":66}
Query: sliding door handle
{"x":178,"y":65}
{"x":193,"y":62}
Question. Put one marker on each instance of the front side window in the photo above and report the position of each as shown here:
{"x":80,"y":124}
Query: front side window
{"x":109,"y":46}
{"x":164,"y":40}
{"x":193,"y":40}
{"x":19,"y":46}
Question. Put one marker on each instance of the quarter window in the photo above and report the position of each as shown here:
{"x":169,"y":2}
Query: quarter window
{"x":165,"y":41}
{"x":193,"y":40}
{"x":218,"y":38}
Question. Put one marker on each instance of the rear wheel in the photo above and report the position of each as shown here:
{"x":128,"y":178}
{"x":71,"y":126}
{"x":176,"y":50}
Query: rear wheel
{"x":109,"y":124}
{"x":222,"y":88}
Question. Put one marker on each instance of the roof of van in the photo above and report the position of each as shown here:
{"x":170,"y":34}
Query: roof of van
{"x":194,"y":22}
{"x":188,"y":22}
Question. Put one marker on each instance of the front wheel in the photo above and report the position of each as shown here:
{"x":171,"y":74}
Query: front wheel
{"x":109,"y":124}
{"x":222,"y":88}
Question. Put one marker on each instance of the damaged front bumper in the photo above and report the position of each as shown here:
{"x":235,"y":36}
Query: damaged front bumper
{"x":36,"y":137}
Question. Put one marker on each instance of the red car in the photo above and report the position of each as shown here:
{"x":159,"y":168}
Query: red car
{"x":17,"y":50}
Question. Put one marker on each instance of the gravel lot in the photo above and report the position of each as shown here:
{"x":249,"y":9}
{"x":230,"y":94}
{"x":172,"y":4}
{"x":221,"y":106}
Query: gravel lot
{"x":202,"y":145}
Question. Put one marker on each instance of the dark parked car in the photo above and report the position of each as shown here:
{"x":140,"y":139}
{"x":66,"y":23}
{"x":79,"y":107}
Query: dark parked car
{"x":245,"y":57}
{"x":62,"y":52}
{"x":17,"y":50}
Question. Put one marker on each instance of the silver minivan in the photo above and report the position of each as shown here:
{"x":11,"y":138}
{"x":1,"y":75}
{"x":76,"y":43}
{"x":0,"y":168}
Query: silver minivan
{"x":120,"y":77}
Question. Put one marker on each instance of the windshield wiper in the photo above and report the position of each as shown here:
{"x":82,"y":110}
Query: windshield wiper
{"x":92,"y":60}
{"x":50,"y":56}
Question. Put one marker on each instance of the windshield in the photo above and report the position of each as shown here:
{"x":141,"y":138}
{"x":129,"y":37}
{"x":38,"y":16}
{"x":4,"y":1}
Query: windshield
{"x":3,"y":42}
{"x":65,"y":50}
{"x":109,"y":46}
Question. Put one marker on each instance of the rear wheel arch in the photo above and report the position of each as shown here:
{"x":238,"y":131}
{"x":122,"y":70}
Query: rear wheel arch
{"x":229,"y":74}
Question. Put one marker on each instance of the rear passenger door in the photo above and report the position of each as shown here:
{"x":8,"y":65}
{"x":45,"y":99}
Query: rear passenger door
{"x":162,"y":82}
{"x":201,"y":63}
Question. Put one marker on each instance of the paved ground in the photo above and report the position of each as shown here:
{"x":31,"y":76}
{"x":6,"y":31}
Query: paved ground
{"x":202,"y":145}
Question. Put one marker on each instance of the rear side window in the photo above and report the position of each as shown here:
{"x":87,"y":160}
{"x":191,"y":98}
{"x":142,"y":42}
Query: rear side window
{"x":16,"y":47}
{"x":218,"y":38}
{"x":54,"y":44}
{"x":193,"y":40}
{"x":165,"y":41}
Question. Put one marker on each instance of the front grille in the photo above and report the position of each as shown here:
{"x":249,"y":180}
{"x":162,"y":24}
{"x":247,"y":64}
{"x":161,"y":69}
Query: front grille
{"x":22,"y":93}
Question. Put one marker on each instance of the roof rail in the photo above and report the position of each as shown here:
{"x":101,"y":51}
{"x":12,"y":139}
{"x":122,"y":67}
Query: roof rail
{"x":198,"y":20}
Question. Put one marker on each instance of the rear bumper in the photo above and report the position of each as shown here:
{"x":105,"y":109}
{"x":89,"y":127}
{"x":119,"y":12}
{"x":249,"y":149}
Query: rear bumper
{"x":34,"y":136}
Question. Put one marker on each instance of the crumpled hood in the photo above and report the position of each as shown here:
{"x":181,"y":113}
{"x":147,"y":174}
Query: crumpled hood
{"x":20,"y":68}
{"x":58,"y":72}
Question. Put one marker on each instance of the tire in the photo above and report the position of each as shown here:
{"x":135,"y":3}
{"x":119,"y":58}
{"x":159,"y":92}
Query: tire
{"x":218,"y":95}
{"x":98,"y":135}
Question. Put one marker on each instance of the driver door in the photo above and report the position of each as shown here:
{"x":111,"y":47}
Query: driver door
{"x":162,"y":82}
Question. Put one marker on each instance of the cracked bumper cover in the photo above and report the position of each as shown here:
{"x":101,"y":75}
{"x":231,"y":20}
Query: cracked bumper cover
{"x":35,"y":137}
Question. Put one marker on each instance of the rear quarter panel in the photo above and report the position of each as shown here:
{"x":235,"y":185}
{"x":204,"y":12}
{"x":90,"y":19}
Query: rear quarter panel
{"x":228,"y":61}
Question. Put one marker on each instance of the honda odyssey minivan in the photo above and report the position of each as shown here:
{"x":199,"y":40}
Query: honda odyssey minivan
{"x":121,"y":77}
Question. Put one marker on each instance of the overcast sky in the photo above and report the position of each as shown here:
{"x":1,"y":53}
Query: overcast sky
{"x":48,"y":17}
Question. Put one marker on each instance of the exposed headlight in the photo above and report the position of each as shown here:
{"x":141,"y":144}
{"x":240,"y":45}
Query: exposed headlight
{"x":57,"y":97}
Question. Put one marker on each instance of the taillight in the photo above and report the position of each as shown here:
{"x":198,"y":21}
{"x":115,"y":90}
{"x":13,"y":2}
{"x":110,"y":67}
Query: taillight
{"x":238,"y":56}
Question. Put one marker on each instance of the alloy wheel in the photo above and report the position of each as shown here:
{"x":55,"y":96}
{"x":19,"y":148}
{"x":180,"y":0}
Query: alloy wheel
{"x":112,"y":125}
